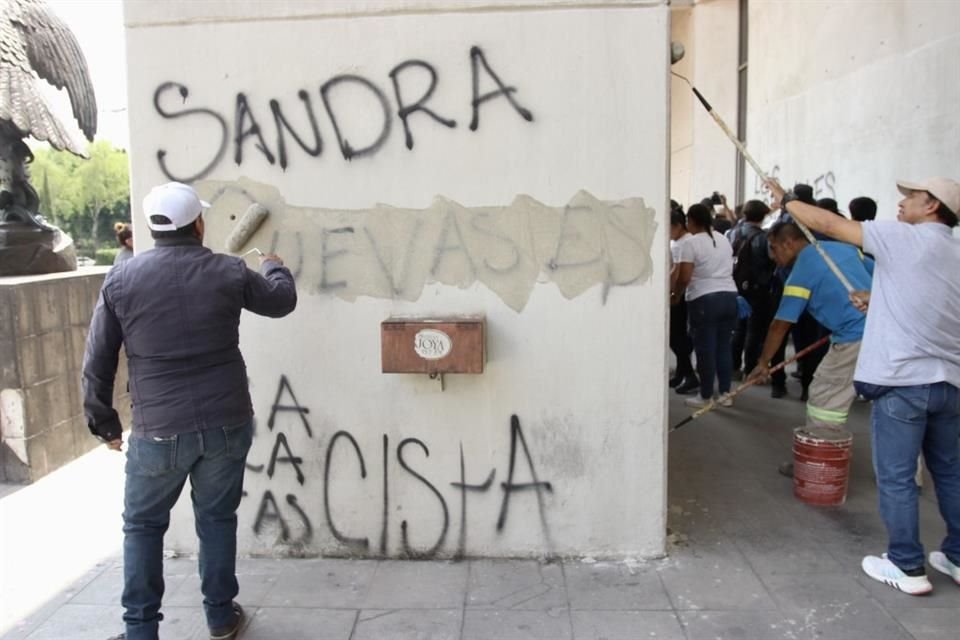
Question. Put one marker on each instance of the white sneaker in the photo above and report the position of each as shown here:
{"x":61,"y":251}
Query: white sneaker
{"x":882,"y":570}
{"x":725,"y":400}
{"x":940,"y":562}
{"x":696,"y":401}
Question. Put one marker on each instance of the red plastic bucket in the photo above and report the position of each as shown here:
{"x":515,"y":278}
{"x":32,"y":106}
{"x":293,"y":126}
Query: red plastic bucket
{"x":821,"y":465}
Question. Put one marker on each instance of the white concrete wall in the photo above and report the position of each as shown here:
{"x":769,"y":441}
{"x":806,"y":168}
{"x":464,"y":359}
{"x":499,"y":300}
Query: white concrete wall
{"x":574,"y":298}
{"x":702,"y":157}
{"x":681,"y":109}
{"x":851,"y":96}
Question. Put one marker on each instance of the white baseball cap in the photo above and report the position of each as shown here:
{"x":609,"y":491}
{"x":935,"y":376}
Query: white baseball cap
{"x":945,"y":190}
{"x":177,"y":202}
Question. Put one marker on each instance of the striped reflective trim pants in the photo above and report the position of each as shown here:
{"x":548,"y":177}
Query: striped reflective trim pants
{"x":831,"y":392}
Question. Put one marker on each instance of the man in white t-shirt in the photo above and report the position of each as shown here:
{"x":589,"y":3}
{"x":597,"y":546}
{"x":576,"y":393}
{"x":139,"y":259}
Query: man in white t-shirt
{"x":910,"y":366}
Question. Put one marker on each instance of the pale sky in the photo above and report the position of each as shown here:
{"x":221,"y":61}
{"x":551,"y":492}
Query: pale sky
{"x":98,"y":27}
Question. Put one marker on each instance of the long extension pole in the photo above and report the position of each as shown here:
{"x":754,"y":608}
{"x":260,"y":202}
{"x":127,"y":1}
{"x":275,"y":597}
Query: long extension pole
{"x":713,"y":403}
{"x":760,"y":172}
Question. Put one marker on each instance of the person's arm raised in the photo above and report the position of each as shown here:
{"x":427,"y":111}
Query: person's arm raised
{"x":817,"y":219}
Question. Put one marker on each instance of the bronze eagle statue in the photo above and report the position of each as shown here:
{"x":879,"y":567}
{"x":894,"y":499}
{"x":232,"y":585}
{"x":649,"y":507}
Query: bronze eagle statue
{"x":35,"y":43}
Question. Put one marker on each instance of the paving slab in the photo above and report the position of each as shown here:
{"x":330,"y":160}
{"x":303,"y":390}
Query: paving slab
{"x":626,"y":625}
{"x":790,"y":554}
{"x":817,"y":592}
{"x":516,"y":584}
{"x":615,"y":586}
{"x":724,"y":584}
{"x":401,"y":584}
{"x":855,"y":620}
{"x":327,"y":584}
{"x":186,"y":592}
{"x":183,"y":623}
{"x":80,"y":622}
{"x":742,"y":625}
{"x":408,"y":624}
{"x":485,"y":624}
{"x":298,"y":623}
{"x":930,"y":624}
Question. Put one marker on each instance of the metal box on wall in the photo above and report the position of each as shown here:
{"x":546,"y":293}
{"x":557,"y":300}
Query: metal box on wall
{"x":432,"y":345}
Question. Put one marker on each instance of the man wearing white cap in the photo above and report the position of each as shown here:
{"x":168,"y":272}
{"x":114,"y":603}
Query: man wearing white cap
{"x":176,"y":310}
{"x":910,"y":366}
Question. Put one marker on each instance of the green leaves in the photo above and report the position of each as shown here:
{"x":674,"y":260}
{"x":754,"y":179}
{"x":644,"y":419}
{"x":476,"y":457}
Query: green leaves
{"x":84,"y":197}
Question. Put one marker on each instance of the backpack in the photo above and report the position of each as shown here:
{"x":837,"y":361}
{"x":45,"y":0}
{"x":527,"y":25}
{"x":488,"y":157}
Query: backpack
{"x":752,"y":272}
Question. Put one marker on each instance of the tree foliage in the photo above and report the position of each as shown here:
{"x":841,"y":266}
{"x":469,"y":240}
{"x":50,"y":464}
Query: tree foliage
{"x":84,"y":197}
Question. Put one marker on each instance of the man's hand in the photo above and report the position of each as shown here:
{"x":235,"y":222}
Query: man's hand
{"x":115,"y":444}
{"x":776,"y":192}
{"x":860,"y":300}
{"x":272,"y":257}
{"x":759,"y":375}
{"x":727,"y":213}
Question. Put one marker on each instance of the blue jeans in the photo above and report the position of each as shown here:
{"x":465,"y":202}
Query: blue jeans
{"x":712,"y":320}
{"x":157,"y":469}
{"x":906,"y":421}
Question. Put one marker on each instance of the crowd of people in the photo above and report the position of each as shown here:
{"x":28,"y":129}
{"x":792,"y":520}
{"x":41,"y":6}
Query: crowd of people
{"x":744,"y":263}
{"x":884,"y":299}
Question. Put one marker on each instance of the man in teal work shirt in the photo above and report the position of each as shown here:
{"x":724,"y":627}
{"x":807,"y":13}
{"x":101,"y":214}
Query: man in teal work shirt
{"x":812,"y":286}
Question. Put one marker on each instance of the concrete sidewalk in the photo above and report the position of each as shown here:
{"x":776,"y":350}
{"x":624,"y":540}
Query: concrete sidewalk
{"x":747,"y":561}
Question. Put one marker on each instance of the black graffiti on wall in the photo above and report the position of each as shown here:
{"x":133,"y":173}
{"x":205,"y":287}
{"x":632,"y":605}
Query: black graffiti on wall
{"x":246,"y":125}
{"x":202,"y":112}
{"x":269,"y":513}
{"x":824,"y":185}
{"x":406,"y":110}
{"x":282,"y":518}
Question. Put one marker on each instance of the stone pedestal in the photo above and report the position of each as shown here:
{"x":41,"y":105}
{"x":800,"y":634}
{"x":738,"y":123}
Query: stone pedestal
{"x":43,"y":328}
{"x":26,"y":249}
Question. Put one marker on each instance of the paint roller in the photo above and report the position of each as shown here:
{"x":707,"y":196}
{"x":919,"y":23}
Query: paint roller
{"x":676,"y":54}
{"x":250,"y":221}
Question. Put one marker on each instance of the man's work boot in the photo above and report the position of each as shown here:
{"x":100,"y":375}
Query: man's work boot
{"x":778,"y":391}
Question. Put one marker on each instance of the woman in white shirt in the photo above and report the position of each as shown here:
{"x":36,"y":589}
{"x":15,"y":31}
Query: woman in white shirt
{"x":685,"y":380}
{"x":705,"y":277}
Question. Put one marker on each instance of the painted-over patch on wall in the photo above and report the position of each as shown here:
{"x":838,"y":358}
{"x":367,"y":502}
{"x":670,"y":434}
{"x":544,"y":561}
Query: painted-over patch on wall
{"x":390,"y":252}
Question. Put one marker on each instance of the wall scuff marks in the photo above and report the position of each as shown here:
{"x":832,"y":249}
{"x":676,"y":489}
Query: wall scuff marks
{"x":388,"y":252}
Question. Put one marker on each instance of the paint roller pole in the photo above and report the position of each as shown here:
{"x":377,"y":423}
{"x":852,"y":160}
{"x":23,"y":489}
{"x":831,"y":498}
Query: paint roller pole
{"x":760,"y":172}
{"x":713,"y":403}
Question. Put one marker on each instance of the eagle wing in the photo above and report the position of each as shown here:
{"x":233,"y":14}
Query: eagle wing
{"x":34,"y":40}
